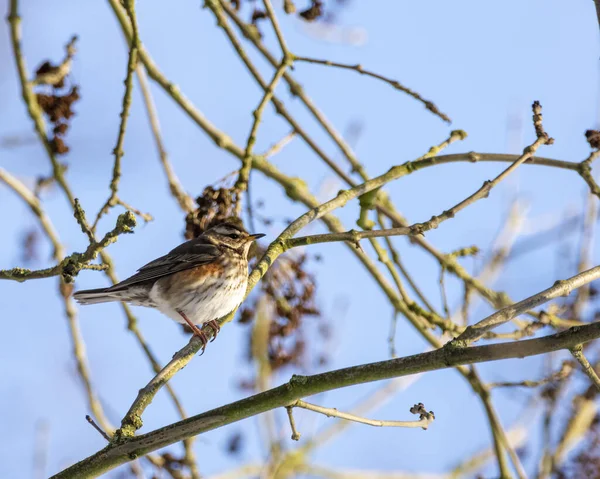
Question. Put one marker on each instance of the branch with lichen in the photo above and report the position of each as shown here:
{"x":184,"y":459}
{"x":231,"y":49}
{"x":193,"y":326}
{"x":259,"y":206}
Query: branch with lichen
{"x":71,"y":265}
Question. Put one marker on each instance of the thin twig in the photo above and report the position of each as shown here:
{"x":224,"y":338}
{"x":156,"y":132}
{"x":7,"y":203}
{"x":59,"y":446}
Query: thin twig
{"x":577,"y":353}
{"x":426,"y":417}
{"x":69,"y":266}
{"x":560,"y":288}
{"x":89,"y":419}
{"x":372,"y":402}
{"x":290,"y":412}
{"x":118,"y":150}
{"x":55,"y":75}
{"x":244,"y":175}
{"x":271,"y":14}
{"x":147,"y":217}
{"x":277,"y":147}
{"x":585,"y":253}
{"x":584,"y":413}
{"x":443,"y":294}
{"x":36,"y":207}
{"x":394,"y":83}
{"x":392,"y":334}
{"x":409,"y":279}
{"x":185,"y":201}
{"x":565,"y":370}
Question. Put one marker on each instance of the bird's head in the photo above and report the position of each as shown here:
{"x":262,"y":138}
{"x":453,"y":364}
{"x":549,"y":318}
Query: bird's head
{"x":228,"y":235}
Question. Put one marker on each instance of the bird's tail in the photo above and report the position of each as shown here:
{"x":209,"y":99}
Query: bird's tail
{"x":93,"y":296}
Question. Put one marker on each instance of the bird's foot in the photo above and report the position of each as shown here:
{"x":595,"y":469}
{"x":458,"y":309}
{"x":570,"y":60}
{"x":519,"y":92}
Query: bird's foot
{"x":215,"y":327}
{"x":196,"y":330}
{"x":203,"y":338}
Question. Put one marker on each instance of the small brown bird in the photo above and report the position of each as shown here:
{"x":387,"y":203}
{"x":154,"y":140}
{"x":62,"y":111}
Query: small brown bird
{"x":198,"y":282}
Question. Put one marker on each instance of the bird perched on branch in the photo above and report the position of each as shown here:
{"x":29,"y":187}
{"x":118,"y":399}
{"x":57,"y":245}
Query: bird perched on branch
{"x":196,"y":283}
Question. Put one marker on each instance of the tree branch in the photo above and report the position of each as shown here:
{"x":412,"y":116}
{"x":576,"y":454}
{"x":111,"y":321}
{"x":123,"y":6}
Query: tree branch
{"x":118,"y":150}
{"x":394,"y":83}
{"x":577,"y":353}
{"x":560,"y":288}
{"x":124,"y":450}
{"x":70,"y":266}
{"x":426,"y":417}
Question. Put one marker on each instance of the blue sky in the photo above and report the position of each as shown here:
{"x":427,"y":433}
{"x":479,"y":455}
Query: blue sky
{"x":483,"y":63}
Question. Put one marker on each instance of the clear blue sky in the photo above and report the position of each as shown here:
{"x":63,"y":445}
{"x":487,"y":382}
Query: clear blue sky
{"x":483,"y":63}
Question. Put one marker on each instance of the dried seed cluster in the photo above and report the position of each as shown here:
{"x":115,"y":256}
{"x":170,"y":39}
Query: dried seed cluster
{"x":215,"y":205}
{"x":290,"y":292}
{"x":314,"y":11}
{"x":58,"y":110}
{"x":593,"y":138}
{"x":58,"y":105}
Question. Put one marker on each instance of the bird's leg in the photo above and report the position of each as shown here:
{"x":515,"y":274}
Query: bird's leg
{"x":215,"y":327}
{"x":197,"y":331}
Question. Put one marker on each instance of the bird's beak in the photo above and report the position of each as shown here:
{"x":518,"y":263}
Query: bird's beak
{"x":255,"y":237}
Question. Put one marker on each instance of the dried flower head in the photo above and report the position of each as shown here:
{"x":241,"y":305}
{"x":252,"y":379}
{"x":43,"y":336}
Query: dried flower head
{"x":290,"y":292}
{"x":257,"y":15}
{"x":57,"y":107}
{"x":593,"y":138}
{"x":313,"y":12}
{"x":215,"y":205}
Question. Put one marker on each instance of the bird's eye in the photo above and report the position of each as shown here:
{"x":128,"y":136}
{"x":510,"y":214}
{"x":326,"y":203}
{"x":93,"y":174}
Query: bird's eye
{"x":234,"y":236}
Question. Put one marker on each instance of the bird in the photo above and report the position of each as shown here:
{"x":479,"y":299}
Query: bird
{"x":196,"y":283}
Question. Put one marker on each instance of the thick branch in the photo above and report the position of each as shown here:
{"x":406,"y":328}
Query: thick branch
{"x":302,"y":386}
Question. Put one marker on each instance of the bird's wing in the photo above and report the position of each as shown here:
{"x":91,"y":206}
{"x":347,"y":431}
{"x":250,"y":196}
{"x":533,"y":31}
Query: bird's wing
{"x":193,"y":253}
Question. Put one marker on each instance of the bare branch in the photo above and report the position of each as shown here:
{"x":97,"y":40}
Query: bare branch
{"x":70,"y":266}
{"x":565,"y":370}
{"x":290,"y":412}
{"x":36,"y":207}
{"x":277,"y":147}
{"x":394,"y":83}
{"x":185,"y":201}
{"x":560,"y":288}
{"x":278,"y":33}
{"x":426,"y":417}
{"x":242,"y":182}
{"x":577,"y":353}
{"x":89,"y":419}
{"x":54,"y":75}
{"x":118,"y":150}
